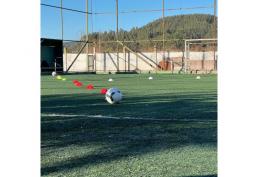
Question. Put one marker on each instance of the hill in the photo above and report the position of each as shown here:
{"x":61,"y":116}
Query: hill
{"x":180,"y":27}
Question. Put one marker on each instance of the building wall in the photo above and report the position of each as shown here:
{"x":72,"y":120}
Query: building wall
{"x":108,"y":61}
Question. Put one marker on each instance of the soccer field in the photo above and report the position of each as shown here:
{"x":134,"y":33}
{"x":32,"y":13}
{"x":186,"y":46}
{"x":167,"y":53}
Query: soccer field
{"x":162,"y":128}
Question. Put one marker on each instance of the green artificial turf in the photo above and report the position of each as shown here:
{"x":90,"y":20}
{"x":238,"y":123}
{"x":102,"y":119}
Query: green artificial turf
{"x":163,"y":127}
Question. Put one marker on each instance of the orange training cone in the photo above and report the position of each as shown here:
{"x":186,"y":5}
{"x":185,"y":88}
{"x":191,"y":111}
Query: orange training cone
{"x":90,"y":87}
{"x":78,"y":84}
{"x":103,"y":91}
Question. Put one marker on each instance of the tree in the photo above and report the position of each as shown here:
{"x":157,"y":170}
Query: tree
{"x":176,"y":27}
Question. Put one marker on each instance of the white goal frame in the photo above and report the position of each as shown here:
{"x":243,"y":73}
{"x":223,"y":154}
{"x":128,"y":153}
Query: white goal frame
{"x":189,"y":42}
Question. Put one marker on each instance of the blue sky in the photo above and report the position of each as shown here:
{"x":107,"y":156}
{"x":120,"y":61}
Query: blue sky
{"x":74,"y":23}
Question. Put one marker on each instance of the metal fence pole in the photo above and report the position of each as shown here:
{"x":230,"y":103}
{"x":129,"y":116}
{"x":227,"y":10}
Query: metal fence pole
{"x":117,"y":47}
{"x":215,"y":29}
{"x":87,"y":33}
{"x":163,"y":28}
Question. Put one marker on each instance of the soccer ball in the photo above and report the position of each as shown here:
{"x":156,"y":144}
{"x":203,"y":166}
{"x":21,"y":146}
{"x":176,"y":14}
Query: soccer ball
{"x":110,"y":80}
{"x":53,"y":73}
{"x":113,"y":96}
{"x":150,"y":78}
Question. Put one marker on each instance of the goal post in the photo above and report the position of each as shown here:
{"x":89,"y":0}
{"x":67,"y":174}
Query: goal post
{"x":200,"y":55}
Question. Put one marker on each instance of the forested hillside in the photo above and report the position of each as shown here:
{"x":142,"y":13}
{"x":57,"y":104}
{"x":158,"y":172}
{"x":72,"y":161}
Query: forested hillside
{"x":176,"y":27}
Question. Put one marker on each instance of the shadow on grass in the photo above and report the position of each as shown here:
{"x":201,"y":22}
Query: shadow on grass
{"x":165,"y":121}
{"x":203,"y":176}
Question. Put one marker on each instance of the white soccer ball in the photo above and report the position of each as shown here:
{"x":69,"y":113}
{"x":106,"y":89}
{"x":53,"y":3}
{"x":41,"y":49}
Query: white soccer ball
{"x":198,"y":77}
{"x":113,"y":96}
{"x":54,"y":74}
{"x":150,"y":78}
{"x":110,"y":80}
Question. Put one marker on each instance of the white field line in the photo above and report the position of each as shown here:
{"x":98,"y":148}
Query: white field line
{"x":61,"y":115}
{"x":130,"y":118}
{"x":121,"y":118}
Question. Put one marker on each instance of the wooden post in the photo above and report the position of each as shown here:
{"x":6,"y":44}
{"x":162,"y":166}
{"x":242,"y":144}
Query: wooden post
{"x":142,"y":58}
{"x":94,"y":58}
{"x":124,"y":57}
{"x":156,"y":57}
{"x":65,"y":51}
{"x":136,"y":62}
{"x":172,"y":67}
{"x":104,"y":53}
{"x":128,"y":61}
{"x":99,"y":45}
